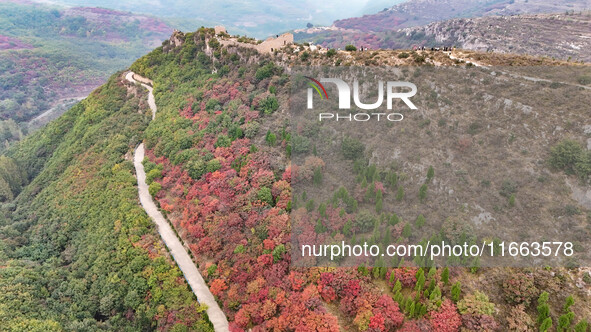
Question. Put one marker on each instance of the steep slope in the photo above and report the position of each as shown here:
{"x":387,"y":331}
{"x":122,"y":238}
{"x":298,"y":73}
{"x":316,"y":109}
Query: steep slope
{"x":77,"y":252}
{"x":563,"y":36}
{"x":50,"y":55}
{"x":168,"y":235}
{"x":479,"y":25}
{"x":420,"y":12}
{"x":219,"y":166}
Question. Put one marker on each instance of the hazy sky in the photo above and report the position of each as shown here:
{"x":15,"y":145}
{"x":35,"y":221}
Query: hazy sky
{"x":259,"y":18}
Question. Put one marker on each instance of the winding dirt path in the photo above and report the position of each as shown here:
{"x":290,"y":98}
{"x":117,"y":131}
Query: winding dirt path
{"x":174,"y":245}
{"x":528,"y":78}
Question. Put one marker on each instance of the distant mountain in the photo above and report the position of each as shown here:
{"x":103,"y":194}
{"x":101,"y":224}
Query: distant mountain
{"x":563,"y":36}
{"x":374,"y":6}
{"x":480,"y":25}
{"x":420,"y":12}
{"x":255,"y":18}
{"x":51,"y":54}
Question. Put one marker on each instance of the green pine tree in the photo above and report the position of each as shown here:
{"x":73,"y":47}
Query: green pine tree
{"x":445,"y":276}
{"x":456,"y":290}
{"x":400,"y":194}
{"x":430,"y":173}
{"x":423,"y":192}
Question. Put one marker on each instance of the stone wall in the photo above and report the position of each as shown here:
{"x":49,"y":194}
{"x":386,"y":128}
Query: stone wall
{"x":272,"y":44}
{"x":268,"y":46}
{"x":219,"y":29}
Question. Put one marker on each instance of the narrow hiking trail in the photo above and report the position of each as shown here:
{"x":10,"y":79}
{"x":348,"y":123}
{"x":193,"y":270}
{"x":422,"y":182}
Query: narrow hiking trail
{"x":528,"y":78}
{"x":172,"y":242}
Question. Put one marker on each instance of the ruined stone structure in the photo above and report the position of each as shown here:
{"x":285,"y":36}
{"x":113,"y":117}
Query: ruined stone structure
{"x":272,"y":44}
{"x":219,"y":29}
{"x":268,"y":46}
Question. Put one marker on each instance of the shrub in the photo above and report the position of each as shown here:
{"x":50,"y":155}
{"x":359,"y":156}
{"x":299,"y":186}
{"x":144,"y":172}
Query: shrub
{"x":212,"y":105}
{"x":213,"y":165}
{"x":211,"y":270}
{"x":270,"y":138}
{"x":364,"y":220}
{"x":154,"y":188}
{"x":508,"y":188}
{"x":479,"y":323}
{"x":278,"y":252}
{"x":153,"y":174}
{"x":464,"y":143}
{"x":239,"y":249}
{"x":265,"y":71}
{"x":330,"y":53}
{"x":269,"y":105}
{"x":264,"y":195}
{"x":251,"y":129}
{"x":350,"y":48}
{"x":518,"y":320}
{"x":223,"y":141}
{"x":520,"y":289}
{"x":196,"y":168}
{"x":476,"y":304}
{"x":446,"y":318}
{"x":403,"y":55}
{"x":352,"y":148}
{"x":474,"y":128}
{"x":584,"y":80}
{"x":571,"y":210}
{"x":565,"y":155}
{"x":570,"y":157}
{"x":300,"y":144}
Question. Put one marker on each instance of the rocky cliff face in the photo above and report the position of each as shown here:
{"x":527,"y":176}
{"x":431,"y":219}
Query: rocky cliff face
{"x":561,"y":36}
{"x":420,"y":12}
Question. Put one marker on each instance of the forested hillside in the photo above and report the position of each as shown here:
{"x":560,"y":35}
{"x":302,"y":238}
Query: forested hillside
{"x":218,"y":163}
{"x":50,"y":54}
{"x":77,"y":251}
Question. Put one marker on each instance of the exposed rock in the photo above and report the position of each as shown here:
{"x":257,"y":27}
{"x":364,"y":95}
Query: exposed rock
{"x":177,"y":39}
